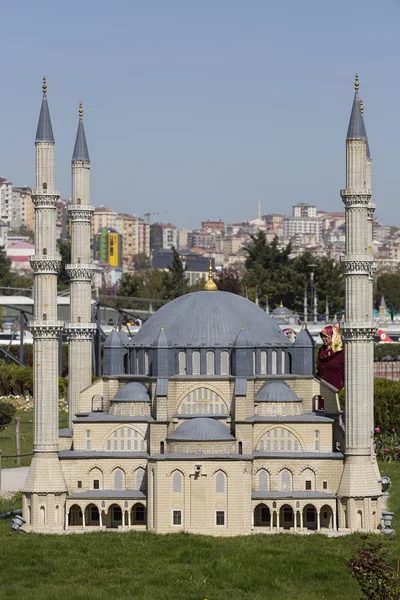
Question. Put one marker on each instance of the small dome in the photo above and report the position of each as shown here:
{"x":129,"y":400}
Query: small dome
{"x":132,"y":392}
{"x":281,"y":311}
{"x":276,"y":391}
{"x":201,"y":429}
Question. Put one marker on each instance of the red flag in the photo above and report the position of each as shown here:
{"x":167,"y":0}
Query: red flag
{"x":384,"y":337}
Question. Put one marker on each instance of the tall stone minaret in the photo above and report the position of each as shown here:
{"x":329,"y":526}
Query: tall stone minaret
{"x":80,"y":329}
{"x":359,"y":491}
{"x":45,"y":489}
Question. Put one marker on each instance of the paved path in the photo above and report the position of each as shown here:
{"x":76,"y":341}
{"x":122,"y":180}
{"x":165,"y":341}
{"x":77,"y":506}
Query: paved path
{"x":13,"y":480}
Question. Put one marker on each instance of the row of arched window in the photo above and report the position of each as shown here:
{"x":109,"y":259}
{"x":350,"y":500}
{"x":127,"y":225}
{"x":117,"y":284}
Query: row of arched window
{"x":308,"y":480}
{"x":220,"y":482}
{"x":280,"y":363}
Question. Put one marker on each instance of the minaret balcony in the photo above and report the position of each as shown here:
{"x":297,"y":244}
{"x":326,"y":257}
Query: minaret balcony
{"x":80,"y":331}
{"x":41,"y":192}
{"x":356,"y":197}
{"x":80,"y":212}
{"x":357,"y":264}
{"x":49,"y":329}
{"x":45,"y":263}
{"x":80,"y":271}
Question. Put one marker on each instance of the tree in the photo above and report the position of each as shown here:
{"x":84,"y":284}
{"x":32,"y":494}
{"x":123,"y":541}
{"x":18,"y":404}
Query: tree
{"x":388,"y":285}
{"x":6,"y":276}
{"x":228,"y":280}
{"x":65,"y":253}
{"x":141,"y":261}
{"x":283,"y":279}
{"x":175,"y":279}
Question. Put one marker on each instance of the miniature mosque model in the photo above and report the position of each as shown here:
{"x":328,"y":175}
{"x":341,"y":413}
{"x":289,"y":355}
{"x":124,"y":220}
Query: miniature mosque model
{"x":210,"y":420}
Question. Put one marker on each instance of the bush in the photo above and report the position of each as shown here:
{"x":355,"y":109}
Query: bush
{"x":377,"y":580}
{"x":386,"y":404}
{"x":7,"y":412}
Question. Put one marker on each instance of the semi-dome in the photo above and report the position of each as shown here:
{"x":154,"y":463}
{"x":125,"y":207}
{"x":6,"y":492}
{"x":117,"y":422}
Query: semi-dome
{"x":201,"y":429}
{"x":132,"y":392}
{"x":210,"y":319}
{"x":276,"y":391}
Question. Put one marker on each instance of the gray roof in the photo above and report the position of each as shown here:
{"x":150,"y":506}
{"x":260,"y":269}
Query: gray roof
{"x":132,"y":392}
{"x":81,"y":151}
{"x":383,"y":303}
{"x":202,"y":429}
{"x":368,"y":153}
{"x":44,"y":132}
{"x":97,"y":417}
{"x":162,"y":387}
{"x":306,"y":418}
{"x":211,"y":319}
{"x":65,"y":433}
{"x":302,"y":455}
{"x":276,"y":391}
{"x":240,"y":387}
{"x":121,"y":494}
{"x":113,"y":340}
{"x":283,"y":495}
{"x":304,"y":338}
{"x":73,"y":454}
{"x":356,"y":129}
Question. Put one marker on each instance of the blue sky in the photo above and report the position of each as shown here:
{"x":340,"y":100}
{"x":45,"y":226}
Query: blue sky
{"x":204,"y":108}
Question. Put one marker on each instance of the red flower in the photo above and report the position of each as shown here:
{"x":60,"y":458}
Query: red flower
{"x":393,"y":429}
{"x":377,"y":430}
{"x":386,"y":449}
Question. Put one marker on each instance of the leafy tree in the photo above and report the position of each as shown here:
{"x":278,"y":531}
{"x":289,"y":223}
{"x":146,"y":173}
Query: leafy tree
{"x":141,"y":261}
{"x":7,"y":412}
{"x":388,"y":285}
{"x":271,"y":270}
{"x":131,"y":286}
{"x":65,"y":253}
{"x":175,"y":279}
{"x":6,"y":276}
{"x":228,"y":280}
{"x":386,"y":404}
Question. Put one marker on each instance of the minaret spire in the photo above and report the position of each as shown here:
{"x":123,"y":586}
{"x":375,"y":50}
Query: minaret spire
{"x":359,"y":491}
{"x":80,"y":328}
{"x":45,"y":489}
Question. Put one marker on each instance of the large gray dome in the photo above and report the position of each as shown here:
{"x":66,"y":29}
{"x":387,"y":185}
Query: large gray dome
{"x":276,"y":391}
{"x":201,"y":429}
{"x":211,"y":319}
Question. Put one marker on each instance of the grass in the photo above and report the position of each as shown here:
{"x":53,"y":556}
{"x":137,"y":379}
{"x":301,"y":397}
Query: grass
{"x":7,"y":439}
{"x":143,"y":566}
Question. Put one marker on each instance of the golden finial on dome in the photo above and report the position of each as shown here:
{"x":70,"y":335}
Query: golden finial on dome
{"x":80,"y":111}
{"x":356,"y":84}
{"x":242,"y":326}
{"x":361,"y":107}
{"x":281,"y":304}
{"x":210,"y":285}
{"x":44,"y":86}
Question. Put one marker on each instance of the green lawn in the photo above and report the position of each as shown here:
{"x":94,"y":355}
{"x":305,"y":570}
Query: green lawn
{"x":182,"y":567}
{"x":7,"y":439}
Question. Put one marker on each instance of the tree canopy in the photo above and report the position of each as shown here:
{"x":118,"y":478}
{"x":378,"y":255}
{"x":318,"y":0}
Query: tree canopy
{"x":388,"y":285}
{"x":283,"y":279}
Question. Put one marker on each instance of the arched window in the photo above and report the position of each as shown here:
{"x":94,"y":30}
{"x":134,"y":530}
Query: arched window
{"x":202,"y":401}
{"x":287,"y":440}
{"x":263,"y":362}
{"x":263,"y":480}
{"x":224,"y":362}
{"x":135,"y":443}
{"x":141,"y":479}
{"x":182,"y":362}
{"x":210,"y":363}
{"x":254,"y":363}
{"x":97,"y":403}
{"x":162,"y":450}
{"x":274,"y":362}
{"x":316,"y":434}
{"x":177,"y":482}
{"x":220,"y":483}
{"x":42,"y":515}
{"x":146,"y":363}
{"x":286,"y":480}
{"x":308,"y":479}
{"x":196,"y":362}
{"x":44,"y":185}
{"x":119,"y":479}
{"x":240,"y":448}
{"x":283,"y":362}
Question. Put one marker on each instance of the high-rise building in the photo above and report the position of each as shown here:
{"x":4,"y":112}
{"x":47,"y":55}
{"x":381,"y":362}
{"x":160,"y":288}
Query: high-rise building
{"x":305,"y":210}
{"x":5,"y":199}
{"x":21,"y":209}
{"x":163,"y":235}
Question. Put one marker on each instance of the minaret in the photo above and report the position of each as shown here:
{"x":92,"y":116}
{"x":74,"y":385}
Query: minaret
{"x":326,"y":310}
{"x":80,"y":329}
{"x":382,"y":310}
{"x":359,"y":491}
{"x":45,"y":489}
{"x":315,"y":306}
